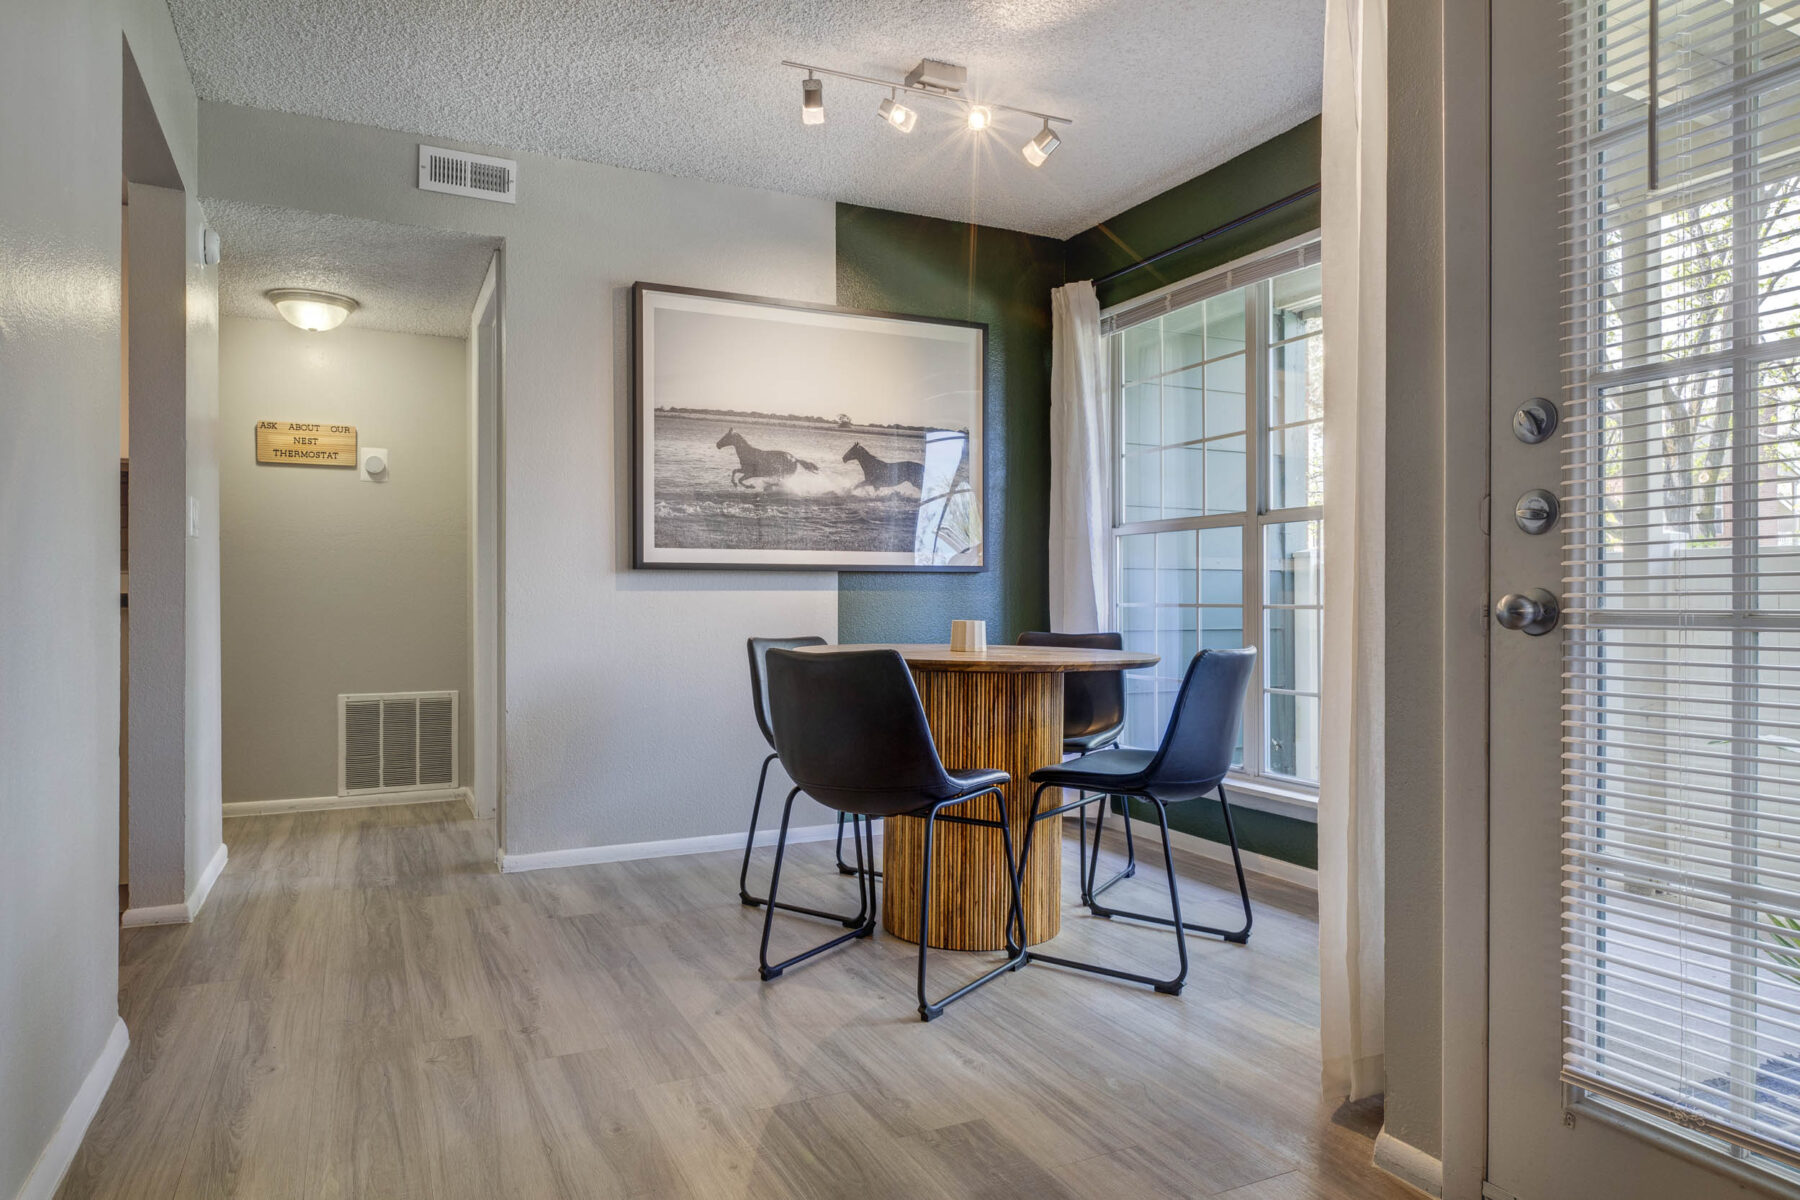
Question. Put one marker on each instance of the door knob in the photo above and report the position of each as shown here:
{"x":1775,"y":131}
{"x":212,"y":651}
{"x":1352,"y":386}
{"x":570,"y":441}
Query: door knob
{"x":1534,"y":612}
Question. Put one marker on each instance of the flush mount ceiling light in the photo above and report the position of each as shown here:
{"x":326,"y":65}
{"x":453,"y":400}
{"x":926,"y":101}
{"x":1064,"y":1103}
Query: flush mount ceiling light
{"x":310,"y":310}
{"x":812,"y":101}
{"x":898,"y":115}
{"x":932,"y":80}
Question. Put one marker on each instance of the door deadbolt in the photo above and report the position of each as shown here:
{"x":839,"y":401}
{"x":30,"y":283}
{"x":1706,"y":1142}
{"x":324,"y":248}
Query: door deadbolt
{"x":1535,"y":612}
{"x":1535,"y":420}
{"x":1537,"y":510}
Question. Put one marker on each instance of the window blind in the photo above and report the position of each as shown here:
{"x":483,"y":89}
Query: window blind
{"x":1681,"y":693}
{"x":1213,"y":283}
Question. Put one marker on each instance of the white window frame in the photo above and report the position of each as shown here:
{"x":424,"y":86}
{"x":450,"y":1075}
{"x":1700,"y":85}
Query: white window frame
{"x":1278,"y":794}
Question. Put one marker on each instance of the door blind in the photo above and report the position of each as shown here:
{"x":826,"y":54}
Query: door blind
{"x":1681,"y":695}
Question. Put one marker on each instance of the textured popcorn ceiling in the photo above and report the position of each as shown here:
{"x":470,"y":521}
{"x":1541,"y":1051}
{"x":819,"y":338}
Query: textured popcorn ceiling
{"x":406,"y":279}
{"x":1160,"y":89}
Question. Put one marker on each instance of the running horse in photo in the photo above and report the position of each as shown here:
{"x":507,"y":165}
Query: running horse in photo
{"x":760,"y":464}
{"x":878,"y":473}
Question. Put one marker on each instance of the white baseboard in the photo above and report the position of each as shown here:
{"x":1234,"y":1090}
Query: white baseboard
{"x":1254,"y":864}
{"x":1409,"y":1164}
{"x":582,"y":856}
{"x":47,"y":1173}
{"x":257,"y":808}
{"x":187,"y":910}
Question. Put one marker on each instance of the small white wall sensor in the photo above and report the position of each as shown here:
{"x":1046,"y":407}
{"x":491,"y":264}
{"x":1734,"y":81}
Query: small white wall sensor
{"x":372,"y":464}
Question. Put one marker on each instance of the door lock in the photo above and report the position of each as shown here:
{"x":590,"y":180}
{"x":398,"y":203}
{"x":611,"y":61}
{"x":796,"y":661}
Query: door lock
{"x":1537,"y":510}
{"x":1535,"y":420}
{"x":1535,"y":612}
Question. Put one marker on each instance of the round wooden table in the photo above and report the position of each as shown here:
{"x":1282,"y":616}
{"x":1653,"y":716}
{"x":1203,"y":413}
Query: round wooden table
{"x":1001,"y":707}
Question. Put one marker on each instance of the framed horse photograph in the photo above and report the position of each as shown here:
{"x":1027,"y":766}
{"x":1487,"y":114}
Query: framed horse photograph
{"x":776,"y":434}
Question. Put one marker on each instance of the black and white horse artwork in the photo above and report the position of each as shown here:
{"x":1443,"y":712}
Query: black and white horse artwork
{"x":760,"y":464}
{"x":879,"y":473}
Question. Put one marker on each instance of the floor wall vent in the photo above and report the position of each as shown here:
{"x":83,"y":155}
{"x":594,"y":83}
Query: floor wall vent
{"x":463,"y":174}
{"x":396,"y":742}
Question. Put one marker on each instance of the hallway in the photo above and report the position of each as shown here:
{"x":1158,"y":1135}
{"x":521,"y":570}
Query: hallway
{"x":366,"y":1009}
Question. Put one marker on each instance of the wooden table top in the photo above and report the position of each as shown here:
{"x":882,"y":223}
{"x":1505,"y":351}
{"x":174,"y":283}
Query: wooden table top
{"x":1016,"y":659}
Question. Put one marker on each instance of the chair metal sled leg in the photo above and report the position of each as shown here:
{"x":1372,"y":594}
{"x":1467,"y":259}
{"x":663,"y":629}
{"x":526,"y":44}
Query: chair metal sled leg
{"x":1130,"y":868}
{"x":762,"y":778}
{"x":861,"y":925}
{"x":1171,"y":986}
{"x":745,"y":896}
{"x":843,"y":867}
{"x":1238,"y":936}
{"x":1015,"y":954}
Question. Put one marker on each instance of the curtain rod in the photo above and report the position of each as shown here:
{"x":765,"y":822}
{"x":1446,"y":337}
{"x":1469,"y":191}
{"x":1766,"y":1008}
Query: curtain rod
{"x":1214,"y":232}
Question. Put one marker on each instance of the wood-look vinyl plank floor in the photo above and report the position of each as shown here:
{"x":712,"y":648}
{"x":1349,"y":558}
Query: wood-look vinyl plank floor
{"x":366,"y":1010}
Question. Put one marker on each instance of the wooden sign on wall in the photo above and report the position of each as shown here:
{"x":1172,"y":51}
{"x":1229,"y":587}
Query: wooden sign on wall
{"x":305,"y":444}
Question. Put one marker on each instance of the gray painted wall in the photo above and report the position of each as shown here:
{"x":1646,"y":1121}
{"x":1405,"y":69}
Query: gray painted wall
{"x":60,"y":109}
{"x":627,"y":715}
{"x":330,"y":584}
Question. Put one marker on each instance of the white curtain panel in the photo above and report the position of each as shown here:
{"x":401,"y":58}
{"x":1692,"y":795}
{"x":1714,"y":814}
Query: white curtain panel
{"x":1080,"y":510}
{"x":1354,"y":228}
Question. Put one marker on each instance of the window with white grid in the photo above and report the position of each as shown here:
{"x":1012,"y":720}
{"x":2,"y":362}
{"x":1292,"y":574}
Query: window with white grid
{"x":1681,"y":736}
{"x":1216,"y":389}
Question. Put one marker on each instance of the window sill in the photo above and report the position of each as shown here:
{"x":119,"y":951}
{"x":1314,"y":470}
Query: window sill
{"x":1266,"y":796}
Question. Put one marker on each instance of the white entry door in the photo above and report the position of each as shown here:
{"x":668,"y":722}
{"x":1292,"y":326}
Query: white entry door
{"x":1644,"y":805}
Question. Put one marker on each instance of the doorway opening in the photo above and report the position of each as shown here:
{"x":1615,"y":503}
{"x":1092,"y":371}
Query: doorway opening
{"x":358,"y":514}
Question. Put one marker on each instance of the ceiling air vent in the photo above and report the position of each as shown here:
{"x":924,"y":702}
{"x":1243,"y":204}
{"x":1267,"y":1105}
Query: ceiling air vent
{"x":464,"y":174}
{"x":396,"y":741}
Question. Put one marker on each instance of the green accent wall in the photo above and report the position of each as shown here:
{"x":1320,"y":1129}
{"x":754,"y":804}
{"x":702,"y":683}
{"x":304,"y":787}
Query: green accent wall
{"x":1263,"y":833}
{"x":928,"y":267}
{"x":932,"y":268}
{"x":1261,"y":175}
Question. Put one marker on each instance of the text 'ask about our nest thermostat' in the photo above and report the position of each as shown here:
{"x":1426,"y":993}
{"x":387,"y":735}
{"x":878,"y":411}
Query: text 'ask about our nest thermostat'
{"x":308,"y":444}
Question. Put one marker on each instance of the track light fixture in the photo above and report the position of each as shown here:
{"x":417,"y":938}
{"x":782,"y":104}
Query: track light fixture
{"x":934,"y":81}
{"x":897,"y":114}
{"x":1040,"y":147}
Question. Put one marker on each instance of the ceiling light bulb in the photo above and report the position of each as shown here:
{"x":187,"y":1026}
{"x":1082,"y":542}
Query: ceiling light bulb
{"x":315,"y":312}
{"x":898,"y":115}
{"x":980,"y":118}
{"x":812,"y":101}
{"x":1040,"y":147}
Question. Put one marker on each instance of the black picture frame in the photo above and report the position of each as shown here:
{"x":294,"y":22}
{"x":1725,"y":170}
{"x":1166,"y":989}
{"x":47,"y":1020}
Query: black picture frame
{"x":649,"y":298}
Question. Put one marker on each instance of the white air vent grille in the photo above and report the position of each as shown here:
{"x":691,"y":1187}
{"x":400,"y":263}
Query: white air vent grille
{"x":396,"y":741}
{"x":464,"y":174}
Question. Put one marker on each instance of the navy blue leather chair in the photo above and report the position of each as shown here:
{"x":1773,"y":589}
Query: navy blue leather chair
{"x":759,"y":648}
{"x":851,"y":734}
{"x":1191,"y":764}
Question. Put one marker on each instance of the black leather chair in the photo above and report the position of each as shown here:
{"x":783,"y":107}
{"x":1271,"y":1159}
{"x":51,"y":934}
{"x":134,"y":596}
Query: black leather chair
{"x":1093,"y":719}
{"x":851,"y":734}
{"x":759,"y":693}
{"x":1191,"y":763}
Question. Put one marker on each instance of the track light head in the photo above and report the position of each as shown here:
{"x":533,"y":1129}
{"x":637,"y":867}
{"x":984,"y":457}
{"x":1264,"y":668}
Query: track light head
{"x":812,"y":101}
{"x":980,"y":118}
{"x":898,"y":115}
{"x":1040,"y":147}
